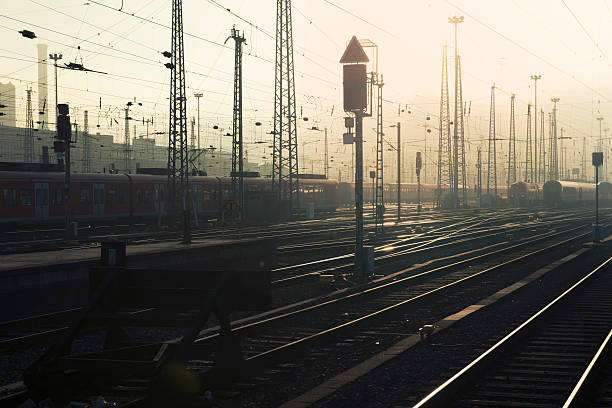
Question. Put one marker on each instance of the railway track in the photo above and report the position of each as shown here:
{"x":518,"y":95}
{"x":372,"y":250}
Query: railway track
{"x":550,"y":360}
{"x":441,"y":241}
{"x":297,"y":230}
{"x":287,"y":334}
{"x":446,"y":240}
{"x":268,"y":339}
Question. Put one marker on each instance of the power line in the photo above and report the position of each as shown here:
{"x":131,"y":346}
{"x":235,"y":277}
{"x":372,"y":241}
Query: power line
{"x":362,"y":19}
{"x":586,"y":32}
{"x":525,"y":49}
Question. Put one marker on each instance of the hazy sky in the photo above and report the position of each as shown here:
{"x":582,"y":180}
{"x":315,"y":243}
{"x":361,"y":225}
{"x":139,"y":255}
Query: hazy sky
{"x":501,"y":42}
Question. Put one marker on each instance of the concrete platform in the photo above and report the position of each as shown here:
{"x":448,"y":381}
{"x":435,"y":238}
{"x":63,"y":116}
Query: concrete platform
{"x":42,"y":282}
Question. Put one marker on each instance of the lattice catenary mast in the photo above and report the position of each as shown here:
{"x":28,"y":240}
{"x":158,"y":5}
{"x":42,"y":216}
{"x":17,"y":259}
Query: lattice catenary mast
{"x":445,"y":171}
{"x":455,"y":178}
{"x":285,"y":154}
{"x":554,"y":154}
{"x":28,"y":142}
{"x":237,"y":145}
{"x":542,"y":150}
{"x":378,"y":82}
{"x":178,"y":147}
{"x":512,"y":147}
{"x":460,"y":118}
{"x":86,"y":144}
{"x":492,"y":158}
{"x":529,"y":173}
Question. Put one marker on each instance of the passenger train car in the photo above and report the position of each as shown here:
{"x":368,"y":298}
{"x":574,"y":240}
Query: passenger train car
{"x":409,"y":192}
{"x":561,"y":193}
{"x":566,"y":193}
{"x":28,"y":197}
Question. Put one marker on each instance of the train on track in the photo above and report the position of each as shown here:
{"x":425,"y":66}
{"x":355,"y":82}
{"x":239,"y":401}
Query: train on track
{"x":555,"y":193}
{"x":33,"y":198}
{"x":409,"y":193}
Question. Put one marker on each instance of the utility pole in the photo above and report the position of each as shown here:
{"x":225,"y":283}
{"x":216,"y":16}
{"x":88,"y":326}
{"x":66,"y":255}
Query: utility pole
{"x":461,"y":120}
{"x":600,"y":148}
{"x":479,"y":168}
{"x":562,"y":175}
{"x":127,"y":138}
{"x":529,"y":173}
{"x":28,"y":143}
{"x":237,"y":145}
{"x":600,"y":141}
{"x":445,"y":166}
{"x":285,"y":181}
{"x":86,"y":146}
{"x":607,"y":155}
{"x":198,"y":95}
{"x":492,"y":170}
{"x":399,"y":172}
{"x":554,"y":151}
{"x":511,"y":147}
{"x":178,"y":147}
{"x":326,"y":170}
{"x":55,"y":58}
{"x":418,"y":174}
{"x":535,"y":120}
{"x":584,"y":156}
{"x":455,"y":178}
{"x":542,"y":151}
{"x":193,"y":135}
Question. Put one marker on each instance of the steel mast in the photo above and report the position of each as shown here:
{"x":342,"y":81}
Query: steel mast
{"x":492,"y":158}
{"x":445,"y":169}
{"x":285,"y":180}
{"x":511,"y":147}
{"x":237,"y":145}
{"x":178,"y":147}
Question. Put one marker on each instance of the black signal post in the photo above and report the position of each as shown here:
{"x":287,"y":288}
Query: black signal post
{"x":418,"y":174}
{"x":62,"y":148}
{"x":355,"y":102}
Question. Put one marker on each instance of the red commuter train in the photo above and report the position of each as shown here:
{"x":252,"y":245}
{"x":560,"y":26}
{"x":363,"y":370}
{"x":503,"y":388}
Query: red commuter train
{"x":32,"y":197}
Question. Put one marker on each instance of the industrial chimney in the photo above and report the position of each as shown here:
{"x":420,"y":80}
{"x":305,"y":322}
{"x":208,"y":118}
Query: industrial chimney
{"x":43,"y":101}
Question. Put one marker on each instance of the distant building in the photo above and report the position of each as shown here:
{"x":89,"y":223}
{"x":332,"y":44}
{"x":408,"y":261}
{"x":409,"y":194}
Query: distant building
{"x":7,"y":98}
{"x":106,"y":156}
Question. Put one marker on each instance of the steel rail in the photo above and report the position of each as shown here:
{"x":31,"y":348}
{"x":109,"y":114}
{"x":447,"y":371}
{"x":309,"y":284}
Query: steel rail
{"x":443,"y":393}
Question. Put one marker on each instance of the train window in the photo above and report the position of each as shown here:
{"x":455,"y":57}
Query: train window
{"x":84,"y":196}
{"x":25,"y":197}
{"x":148,"y":196}
{"x":138,"y":196}
{"x":58,"y":196}
{"x":9,"y":196}
{"x":122,"y":196}
{"x":111,"y":196}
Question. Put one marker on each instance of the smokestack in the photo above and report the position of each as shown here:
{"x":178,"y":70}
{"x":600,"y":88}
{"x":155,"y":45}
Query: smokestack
{"x":43,"y":101}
